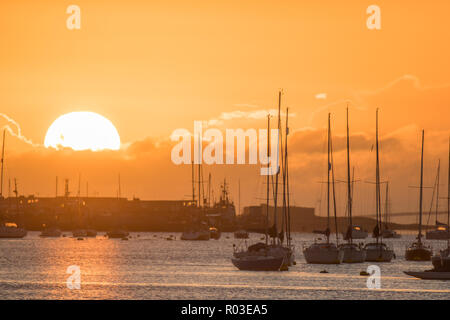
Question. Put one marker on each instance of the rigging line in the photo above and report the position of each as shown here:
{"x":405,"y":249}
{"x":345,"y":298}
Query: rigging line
{"x":432,"y":197}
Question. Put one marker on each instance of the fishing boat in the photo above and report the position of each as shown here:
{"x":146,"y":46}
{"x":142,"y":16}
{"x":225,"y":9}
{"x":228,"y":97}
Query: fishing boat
{"x":418,"y":251}
{"x":328,"y":252}
{"x":378,"y":251}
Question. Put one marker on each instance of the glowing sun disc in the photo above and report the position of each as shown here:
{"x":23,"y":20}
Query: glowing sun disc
{"x":82,"y":131}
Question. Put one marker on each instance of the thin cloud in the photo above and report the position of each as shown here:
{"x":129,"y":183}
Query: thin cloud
{"x":16,"y":131}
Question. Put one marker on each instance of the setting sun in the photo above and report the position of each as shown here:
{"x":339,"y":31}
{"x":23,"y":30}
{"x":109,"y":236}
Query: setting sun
{"x":82,"y":131}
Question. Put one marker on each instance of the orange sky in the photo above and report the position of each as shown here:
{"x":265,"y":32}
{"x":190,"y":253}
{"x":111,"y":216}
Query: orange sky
{"x":154,"y":66}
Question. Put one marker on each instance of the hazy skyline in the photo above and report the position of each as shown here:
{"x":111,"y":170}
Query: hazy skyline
{"x":153,"y":67}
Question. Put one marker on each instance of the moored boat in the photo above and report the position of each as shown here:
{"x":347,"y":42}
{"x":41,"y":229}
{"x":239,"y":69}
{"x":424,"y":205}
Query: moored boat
{"x":429,"y":275}
{"x":418,"y":251}
{"x":327,"y":252}
{"x":193,"y":234}
{"x":79,"y":233}
{"x":214,"y":233}
{"x":117,"y":234}
{"x":50,"y":232}
{"x":323,"y":253}
{"x":352,"y":253}
{"x":390,"y":234}
{"x":378,"y":252}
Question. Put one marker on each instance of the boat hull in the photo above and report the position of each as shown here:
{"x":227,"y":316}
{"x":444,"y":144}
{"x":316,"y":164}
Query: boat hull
{"x":241,"y":235}
{"x":390,"y":234}
{"x":51,"y":233}
{"x":195,"y":236}
{"x":353,"y":255}
{"x":379,"y":254}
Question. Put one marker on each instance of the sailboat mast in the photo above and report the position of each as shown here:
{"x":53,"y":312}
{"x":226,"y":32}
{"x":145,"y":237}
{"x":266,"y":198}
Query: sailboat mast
{"x":349,"y":182}
{"x":386,"y":208}
{"x":421,"y":189}
{"x":3,"y":161}
{"x":268,"y":178}
{"x":199,"y":174}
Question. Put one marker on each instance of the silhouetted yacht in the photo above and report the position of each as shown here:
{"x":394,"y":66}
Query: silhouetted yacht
{"x":418,"y":251}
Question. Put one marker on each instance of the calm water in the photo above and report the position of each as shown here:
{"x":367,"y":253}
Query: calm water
{"x":150,"y":267}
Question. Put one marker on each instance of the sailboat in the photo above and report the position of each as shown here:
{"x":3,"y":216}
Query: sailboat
{"x":328,"y":252}
{"x":289,"y":248}
{"x":441,"y":231}
{"x":378,"y":251}
{"x":264,"y":256}
{"x":386,"y":232}
{"x":418,"y":251}
{"x":9,"y":229}
{"x":352,"y":252}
